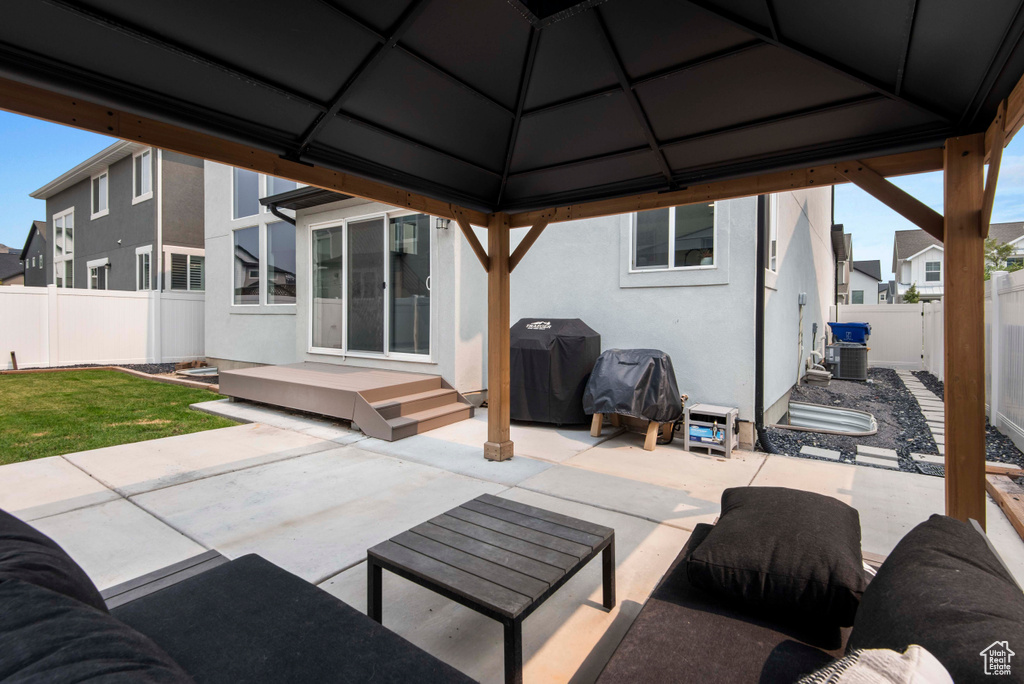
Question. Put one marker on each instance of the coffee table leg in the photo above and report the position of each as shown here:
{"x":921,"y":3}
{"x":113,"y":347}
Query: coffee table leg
{"x":374,"y":601}
{"x":514,"y":652}
{"x":608,"y":562}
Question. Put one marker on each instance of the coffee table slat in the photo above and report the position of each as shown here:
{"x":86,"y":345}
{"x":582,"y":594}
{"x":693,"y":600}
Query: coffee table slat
{"x":550,"y":541}
{"x":557,"y":518}
{"x":459,"y":582}
{"x":503,"y":557}
{"x":492,"y":572}
{"x":590,"y":540}
{"x":539,"y":553}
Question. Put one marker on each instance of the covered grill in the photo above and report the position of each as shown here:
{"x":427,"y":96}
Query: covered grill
{"x":551,"y":361}
{"x":634,"y":382}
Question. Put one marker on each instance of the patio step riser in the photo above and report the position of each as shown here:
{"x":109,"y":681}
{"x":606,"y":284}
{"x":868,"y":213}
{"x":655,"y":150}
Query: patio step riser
{"x":430,"y":382}
{"x":418,"y":427}
{"x":406,"y":405}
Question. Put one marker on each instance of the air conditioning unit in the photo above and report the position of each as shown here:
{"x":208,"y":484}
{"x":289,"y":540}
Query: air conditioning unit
{"x":847,"y":361}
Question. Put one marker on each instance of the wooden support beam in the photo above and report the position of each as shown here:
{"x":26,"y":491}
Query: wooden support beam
{"x":1014,"y":111}
{"x":894,"y":197}
{"x":71,"y":111}
{"x":527,"y":242}
{"x":499,"y":366}
{"x":778,"y":181}
{"x":964,"y":328}
{"x":994,"y":154}
{"x":462,"y":218}
{"x":1010,"y":497}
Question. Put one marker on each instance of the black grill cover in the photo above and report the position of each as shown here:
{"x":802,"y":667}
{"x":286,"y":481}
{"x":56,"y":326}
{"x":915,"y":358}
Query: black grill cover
{"x":551,"y":360}
{"x":634,"y":382}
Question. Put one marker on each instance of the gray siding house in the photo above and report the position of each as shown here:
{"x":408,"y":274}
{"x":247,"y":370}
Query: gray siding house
{"x":34,"y":255}
{"x":127,"y":218}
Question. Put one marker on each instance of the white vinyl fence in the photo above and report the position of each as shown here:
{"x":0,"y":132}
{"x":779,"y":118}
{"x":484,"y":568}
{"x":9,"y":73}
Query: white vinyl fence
{"x":896,"y":332}
{"x":47,"y":326}
{"x":1004,"y":354}
{"x":933,"y":356}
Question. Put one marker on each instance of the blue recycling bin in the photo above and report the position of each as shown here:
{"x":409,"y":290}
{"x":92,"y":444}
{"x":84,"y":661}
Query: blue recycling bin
{"x":857,"y":333}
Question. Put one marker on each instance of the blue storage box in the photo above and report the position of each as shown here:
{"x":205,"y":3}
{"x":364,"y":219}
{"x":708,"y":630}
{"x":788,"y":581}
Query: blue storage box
{"x":857,"y":333}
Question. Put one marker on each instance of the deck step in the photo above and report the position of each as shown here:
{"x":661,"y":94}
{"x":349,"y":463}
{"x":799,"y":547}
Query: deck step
{"x":414,"y":403}
{"x":429,"y":419}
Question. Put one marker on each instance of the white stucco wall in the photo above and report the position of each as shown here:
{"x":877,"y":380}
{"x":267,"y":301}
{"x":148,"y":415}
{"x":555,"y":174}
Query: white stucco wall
{"x":280,"y":334}
{"x":859,"y":281}
{"x":703,"y":319}
{"x":250,"y":334}
{"x":805,"y":265}
{"x":917,"y":271}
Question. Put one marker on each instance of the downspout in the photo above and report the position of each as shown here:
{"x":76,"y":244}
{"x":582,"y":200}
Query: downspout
{"x":760,"y":255}
{"x":277,"y":212}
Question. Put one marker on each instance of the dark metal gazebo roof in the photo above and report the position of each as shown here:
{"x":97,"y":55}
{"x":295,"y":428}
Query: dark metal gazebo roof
{"x":520,"y":104}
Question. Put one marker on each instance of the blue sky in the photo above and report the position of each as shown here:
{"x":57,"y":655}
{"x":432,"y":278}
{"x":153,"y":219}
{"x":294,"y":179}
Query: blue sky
{"x":34,"y":152}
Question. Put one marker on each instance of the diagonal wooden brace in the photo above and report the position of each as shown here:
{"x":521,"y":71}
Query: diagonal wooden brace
{"x":894,"y":197}
{"x":462,"y":218}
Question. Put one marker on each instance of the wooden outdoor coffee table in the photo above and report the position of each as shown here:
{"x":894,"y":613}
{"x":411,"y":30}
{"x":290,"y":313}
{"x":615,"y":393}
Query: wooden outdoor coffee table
{"x":498,"y":557}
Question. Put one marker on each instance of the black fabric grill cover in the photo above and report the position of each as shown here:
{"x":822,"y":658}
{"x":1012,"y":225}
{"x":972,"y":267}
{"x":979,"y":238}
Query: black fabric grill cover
{"x":551,"y":361}
{"x":634,"y":382}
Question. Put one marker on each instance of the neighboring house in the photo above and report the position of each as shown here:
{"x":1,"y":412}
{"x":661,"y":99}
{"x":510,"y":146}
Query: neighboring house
{"x":366,"y":284}
{"x":128,"y":218}
{"x":884,"y":292}
{"x":12,"y":270}
{"x":35,"y":254}
{"x":917,"y":258}
{"x":842,"y":250}
{"x":865,"y":277}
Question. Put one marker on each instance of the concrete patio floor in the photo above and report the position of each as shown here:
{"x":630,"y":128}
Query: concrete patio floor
{"x":312,"y":496}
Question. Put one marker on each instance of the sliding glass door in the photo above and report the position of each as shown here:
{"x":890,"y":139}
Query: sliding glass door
{"x":371,"y":287}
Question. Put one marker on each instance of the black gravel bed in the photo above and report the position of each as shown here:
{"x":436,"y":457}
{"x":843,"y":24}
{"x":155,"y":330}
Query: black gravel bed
{"x":901,"y":425}
{"x":998,"y":447}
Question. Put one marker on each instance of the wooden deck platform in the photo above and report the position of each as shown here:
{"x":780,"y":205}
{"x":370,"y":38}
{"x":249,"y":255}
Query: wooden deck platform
{"x":384,"y":404}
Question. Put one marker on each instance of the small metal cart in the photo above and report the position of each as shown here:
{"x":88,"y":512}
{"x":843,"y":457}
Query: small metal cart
{"x":714,"y":429}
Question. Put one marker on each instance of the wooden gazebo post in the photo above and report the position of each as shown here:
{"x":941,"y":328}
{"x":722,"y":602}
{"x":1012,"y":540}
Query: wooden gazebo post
{"x":499,"y":443}
{"x":964,"y":324}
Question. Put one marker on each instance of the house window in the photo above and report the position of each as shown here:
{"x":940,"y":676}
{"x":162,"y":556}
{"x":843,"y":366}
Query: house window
{"x":97,"y":277}
{"x":933,"y":271}
{"x":143,"y":268}
{"x":881,"y":296}
{"x":247,"y":266}
{"x":858,"y":296}
{"x":275,"y":186}
{"x":1015,"y":261}
{"x":188,"y":272}
{"x":40,"y":261}
{"x":280,"y":263}
{"x":33,"y":262}
{"x":100,"y":194}
{"x":245,"y":193}
{"x":681,"y":237}
{"x":64,"y":249}
{"x":142,"y":176}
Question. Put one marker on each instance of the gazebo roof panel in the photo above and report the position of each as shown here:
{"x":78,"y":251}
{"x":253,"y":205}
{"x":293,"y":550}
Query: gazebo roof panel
{"x":298,"y":47}
{"x":756,"y":84}
{"x":448,"y":34}
{"x":403,"y":95}
{"x":626,"y":169}
{"x":652,"y":35}
{"x":379,"y":15}
{"x":414,"y":161}
{"x":869,"y":35}
{"x":566,"y":134}
{"x":568,"y":64}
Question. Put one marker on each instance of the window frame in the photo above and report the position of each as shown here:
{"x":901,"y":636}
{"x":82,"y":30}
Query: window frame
{"x":265,"y":263}
{"x":261,"y":242}
{"x":386,"y":215}
{"x":104,"y":173}
{"x":260,"y":188}
{"x":937,"y":272}
{"x":853,"y":296}
{"x":59,"y":263}
{"x":189,"y":253}
{"x":146,"y":195}
{"x":146,"y":250}
{"x":671,"y":267}
{"x":95,"y":265}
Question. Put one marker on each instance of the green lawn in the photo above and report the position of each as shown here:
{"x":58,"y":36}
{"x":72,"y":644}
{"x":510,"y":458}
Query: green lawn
{"x":43,"y":414}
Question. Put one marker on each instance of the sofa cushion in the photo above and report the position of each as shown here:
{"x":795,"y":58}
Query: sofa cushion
{"x":943,"y":588}
{"x":251,"y":621}
{"x":48,"y":637}
{"x":29,"y":555}
{"x":686,"y":634}
{"x":779,"y":549}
